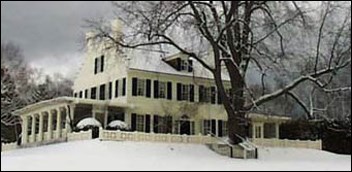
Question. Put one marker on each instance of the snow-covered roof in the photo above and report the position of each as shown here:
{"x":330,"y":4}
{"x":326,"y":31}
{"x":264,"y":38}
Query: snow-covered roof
{"x":118,"y":124}
{"x":153,"y":62}
{"x":88,"y":122}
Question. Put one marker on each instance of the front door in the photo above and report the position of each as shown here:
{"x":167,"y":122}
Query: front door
{"x":185,"y":127}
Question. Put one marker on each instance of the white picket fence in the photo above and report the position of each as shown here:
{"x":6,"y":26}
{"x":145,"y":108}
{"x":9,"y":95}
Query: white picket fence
{"x":309,"y":144}
{"x":83,"y":135}
{"x":152,"y":137}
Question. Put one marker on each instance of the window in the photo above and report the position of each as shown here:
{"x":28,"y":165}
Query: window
{"x":162,"y":89}
{"x":186,"y":65}
{"x":140,"y":123}
{"x":258,"y":132}
{"x":140,"y":87}
{"x":75,"y":95}
{"x":207,"y":94}
{"x":93,"y":93}
{"x":99,"y":64}
{"x":80,"y":94}
{"x":209,"y":126}
{"x":206,"y":127}
{"x":185,"y":92}
{"x":102,"y":92}
{"x":162,"y":124}
{"x":222,"y":128}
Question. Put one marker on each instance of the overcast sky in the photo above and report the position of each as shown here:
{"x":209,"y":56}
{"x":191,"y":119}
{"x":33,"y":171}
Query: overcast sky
{"x":50,"y":33}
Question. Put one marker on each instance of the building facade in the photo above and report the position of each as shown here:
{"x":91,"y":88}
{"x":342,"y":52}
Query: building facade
{"x":152,"y":94}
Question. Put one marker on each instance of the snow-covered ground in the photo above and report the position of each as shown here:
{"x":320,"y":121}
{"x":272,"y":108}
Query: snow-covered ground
{"x":96,"y":155}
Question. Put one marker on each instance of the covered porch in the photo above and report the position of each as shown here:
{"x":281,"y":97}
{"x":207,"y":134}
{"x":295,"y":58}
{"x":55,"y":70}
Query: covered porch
{"x":51,"y":120}
{"x":263,"y":126}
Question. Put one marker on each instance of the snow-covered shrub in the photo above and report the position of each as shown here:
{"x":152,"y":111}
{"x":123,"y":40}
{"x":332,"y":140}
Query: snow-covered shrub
{"x":88,"y":123}
{"x":118,"y":125}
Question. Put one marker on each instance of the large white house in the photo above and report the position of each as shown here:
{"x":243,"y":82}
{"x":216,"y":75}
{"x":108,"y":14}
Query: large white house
{"x":152,"y":94}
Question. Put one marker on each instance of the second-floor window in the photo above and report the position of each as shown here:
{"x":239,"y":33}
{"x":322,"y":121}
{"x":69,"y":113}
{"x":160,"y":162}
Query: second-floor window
{"x":140,"y":87}
{"x":99,"y":64}
{"x":185,"y":92}
{"x":162,"y":89}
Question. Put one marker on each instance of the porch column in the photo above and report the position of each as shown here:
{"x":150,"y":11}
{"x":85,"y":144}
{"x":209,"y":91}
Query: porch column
{"x":50,"y":125}
{"x":277,"y":130}
{"x":58,"y":123}
{"x":33,"y":128}
{"x":253,"y":130}
{"x":262,"y":130}
{"x":41,"y":119}
{"x":106,"y":118}
{"x":72,"y":114}
{"x":24,"y":129}
{"x":67,"y":124}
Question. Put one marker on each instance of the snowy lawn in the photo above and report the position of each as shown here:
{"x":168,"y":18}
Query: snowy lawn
{"x":96,"y":155}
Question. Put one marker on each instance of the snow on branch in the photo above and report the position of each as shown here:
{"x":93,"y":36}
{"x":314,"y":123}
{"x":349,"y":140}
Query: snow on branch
{"x":295,"y":83}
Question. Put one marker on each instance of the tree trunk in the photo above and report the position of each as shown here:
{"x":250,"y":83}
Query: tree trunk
{"x":237,"y":127}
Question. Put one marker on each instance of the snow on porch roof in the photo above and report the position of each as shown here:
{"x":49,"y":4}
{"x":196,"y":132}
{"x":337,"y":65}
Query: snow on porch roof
{"x":68,"y":100}
{"x":264,"y":117}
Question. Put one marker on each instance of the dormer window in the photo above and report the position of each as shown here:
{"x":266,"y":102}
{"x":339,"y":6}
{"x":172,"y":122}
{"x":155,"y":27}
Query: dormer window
{"x":180,"y":62}
{"x":186,"y":65}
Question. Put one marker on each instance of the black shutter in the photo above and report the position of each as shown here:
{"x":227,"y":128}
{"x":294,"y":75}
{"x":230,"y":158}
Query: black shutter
{"x":86,"y":93}
{"x":213,"y":95}
{"x":134,"y":122}
{"x":190,"y":66}
{"x":93,"y":93}
{"x":96,"y":66}
{"x":156,"y":89}
{"x":148,"y":87}
{"x":219,"y":97}
{"x":178,"y":64}
{"x":213,"y":126}
{"x":169,"y":90}
{"x":147,"y":123}
{"x":102,"y":63}
{"x":201,"y":91}
{"x":156,"y":123}
{"x":220,"y":134}
{"x":116,"y":88}
{"x":179,"y":91}
{"x":110,"y":90}
{"x":102,"y":92}
{"x":123,"y":86}
{"x":191,"y":93}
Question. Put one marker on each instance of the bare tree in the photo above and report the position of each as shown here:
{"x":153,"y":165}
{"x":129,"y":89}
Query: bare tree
{"x":241,"y":36}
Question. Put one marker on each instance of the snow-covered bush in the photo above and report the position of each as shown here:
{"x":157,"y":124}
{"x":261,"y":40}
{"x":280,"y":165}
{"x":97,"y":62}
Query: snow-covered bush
{"x":88,"y":123}
{"x":118,"y":125}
